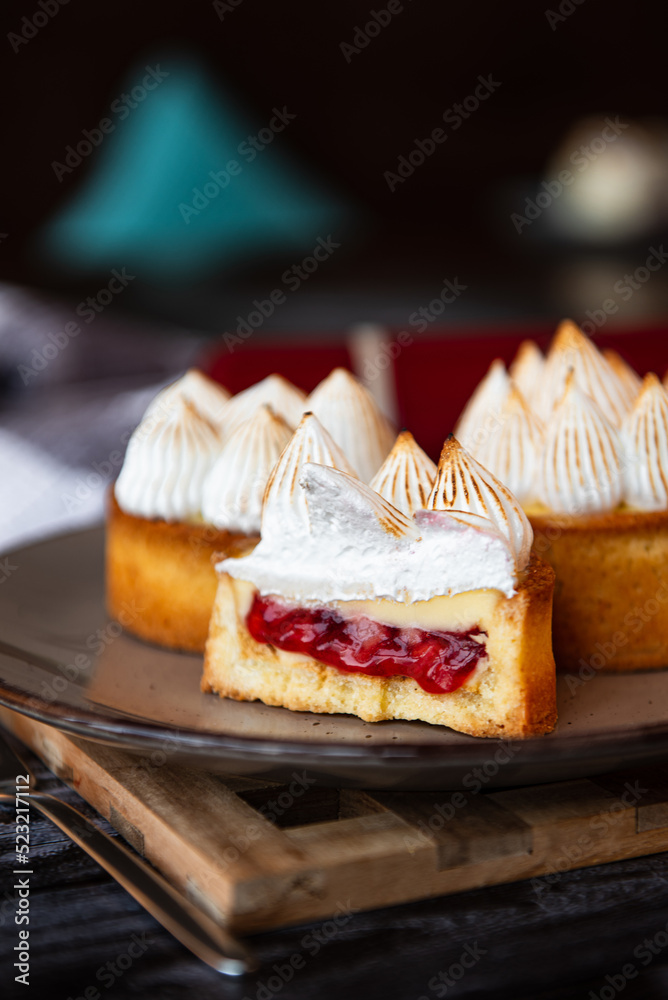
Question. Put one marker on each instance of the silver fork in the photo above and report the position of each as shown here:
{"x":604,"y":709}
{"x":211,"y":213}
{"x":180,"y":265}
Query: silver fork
{"x":201,"y":935}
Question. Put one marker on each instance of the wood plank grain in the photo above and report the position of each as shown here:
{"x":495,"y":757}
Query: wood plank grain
{"x":202,"y":836}
{"x":466,"y":828}
{"x":219,"y":839}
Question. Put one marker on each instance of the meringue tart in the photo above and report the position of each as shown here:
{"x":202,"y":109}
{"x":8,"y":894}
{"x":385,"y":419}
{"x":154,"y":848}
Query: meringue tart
{"x":190,"y":489}
{"x":193,"y":481}
{"x":417,"y":597}
{"x":585,"y":450}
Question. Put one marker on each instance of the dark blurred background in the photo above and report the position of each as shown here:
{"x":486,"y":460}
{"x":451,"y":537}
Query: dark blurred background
{"x":558,"y":71}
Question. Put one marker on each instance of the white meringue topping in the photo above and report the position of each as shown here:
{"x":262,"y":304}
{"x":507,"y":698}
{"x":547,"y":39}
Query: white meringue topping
{"x":627,"y":376}
{"x":512,"y":452}
{"x":480,"y":417}
{"x":234,"y":487}
{"x":462,"y":484}
{"x":359,"y":547}
{"x":406,"y":476}
{"x":526,"y":370}
{"x":206,"y":396}
{"x":645,"y":444}
{"x":285,"y":399}
{"x":285,"y":509}
{"x":580,"y":470}
{"x":168,"y":457}
{"x":349,"y":412}
{"x":571,"y":350}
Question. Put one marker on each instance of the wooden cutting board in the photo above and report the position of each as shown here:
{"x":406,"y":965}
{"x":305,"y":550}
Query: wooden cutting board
{"x":257,"y":855}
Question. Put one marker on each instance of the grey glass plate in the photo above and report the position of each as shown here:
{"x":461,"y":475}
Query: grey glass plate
{"x":64,"y":662}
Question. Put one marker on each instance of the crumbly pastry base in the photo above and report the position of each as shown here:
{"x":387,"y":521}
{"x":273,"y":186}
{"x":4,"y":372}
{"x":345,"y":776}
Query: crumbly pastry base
{"x":611,"y":595}
{"x":160,"y":577}
{"x":514,"y":695}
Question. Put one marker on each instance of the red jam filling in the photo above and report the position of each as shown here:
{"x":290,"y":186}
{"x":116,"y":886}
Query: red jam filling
{"x":439,"y":661}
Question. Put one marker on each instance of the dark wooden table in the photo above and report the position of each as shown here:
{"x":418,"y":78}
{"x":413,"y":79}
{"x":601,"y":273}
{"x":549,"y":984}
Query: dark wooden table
{"x":86,"y":933}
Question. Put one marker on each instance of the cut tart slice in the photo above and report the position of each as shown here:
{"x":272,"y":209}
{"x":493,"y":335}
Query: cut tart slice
{"x":350,"y":605}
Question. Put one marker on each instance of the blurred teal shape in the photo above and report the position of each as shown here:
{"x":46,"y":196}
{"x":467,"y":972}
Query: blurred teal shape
{"x":185,"y":183}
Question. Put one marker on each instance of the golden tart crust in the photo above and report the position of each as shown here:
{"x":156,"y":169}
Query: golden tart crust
{"x":611,"y":595}
{"x":164,"y":572}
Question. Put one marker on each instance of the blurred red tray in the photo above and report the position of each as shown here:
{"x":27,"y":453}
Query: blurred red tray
{"x":434,"y":376}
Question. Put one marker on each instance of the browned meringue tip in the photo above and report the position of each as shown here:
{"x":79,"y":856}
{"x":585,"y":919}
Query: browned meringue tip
{"x":404,"y":439}
{"x":207,"y":378}
{"x":276,"y":377}
{"x":451,"y":448}
{"x":527,"y":348}
{"x":268,"y":413}
{"x":650,"y":384}
{"x":617,"y":361}
{"x":496,"y":364}
{"x":567,"y":335}
{"x":183,"y":408}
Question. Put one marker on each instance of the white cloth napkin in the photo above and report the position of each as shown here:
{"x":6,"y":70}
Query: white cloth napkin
{"x":56,"y":464}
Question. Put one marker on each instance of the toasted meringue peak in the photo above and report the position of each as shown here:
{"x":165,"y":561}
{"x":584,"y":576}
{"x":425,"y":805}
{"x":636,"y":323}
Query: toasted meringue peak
{"x":406,"y":476}
{"x":358,"y":546}
{"x":511,"y":453}
{"x":462,"y":484}
{"x":342,"y":499}
{"x":572,"y":350}
{"x":627,"y":376}
{"x":349,"y":412}
{"x":526,"y":370}
{"x":285,"y":399}
{"x":234,"y":487}
{"x":166,"y":462}
{"x":645,"y":443}
{"x":580,"y":470}
{"x":207,"y":396}
{"x":483,"y":409}
{"x":285,"y":505}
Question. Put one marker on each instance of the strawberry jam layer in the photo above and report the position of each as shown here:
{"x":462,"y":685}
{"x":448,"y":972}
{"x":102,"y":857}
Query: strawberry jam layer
{"x":439,"y":661}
